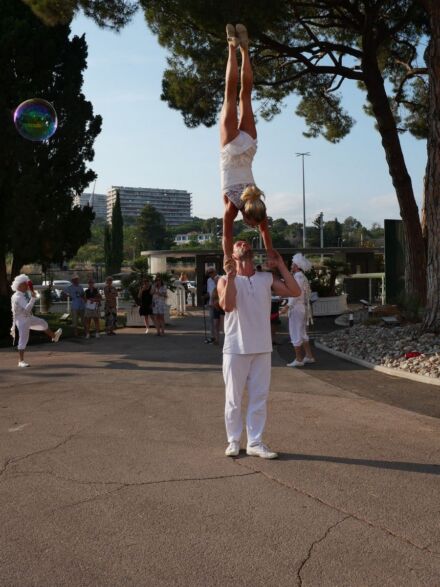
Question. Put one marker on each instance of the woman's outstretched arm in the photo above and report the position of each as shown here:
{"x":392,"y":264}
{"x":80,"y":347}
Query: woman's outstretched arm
{"x":229,"y":216}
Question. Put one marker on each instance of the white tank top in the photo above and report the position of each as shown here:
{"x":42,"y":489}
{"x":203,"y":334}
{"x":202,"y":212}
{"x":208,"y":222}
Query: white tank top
{"x":247,"y":327}
{"x":236,"y":161}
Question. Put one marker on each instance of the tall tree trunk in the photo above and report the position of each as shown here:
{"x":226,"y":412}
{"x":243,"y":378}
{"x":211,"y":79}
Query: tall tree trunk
{"x":17,"y":264}
{"x":4,"y":285}
{"x":415,"y":259}
{"x":432,"y":184}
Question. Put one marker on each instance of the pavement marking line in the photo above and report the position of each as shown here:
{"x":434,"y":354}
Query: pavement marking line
{"x":342,"y":511}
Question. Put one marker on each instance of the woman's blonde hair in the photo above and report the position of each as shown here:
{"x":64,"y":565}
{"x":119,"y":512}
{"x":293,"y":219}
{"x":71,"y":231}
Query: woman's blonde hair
{"x":254,"y":207}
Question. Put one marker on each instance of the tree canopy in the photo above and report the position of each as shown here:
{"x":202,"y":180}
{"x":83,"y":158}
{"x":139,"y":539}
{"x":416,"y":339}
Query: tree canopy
{"x":151,"y":230}
{"x":38,"y":180}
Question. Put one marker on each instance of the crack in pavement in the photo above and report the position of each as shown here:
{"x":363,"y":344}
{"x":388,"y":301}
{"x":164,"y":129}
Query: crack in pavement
{"x":13,"y":460}
{"x":37,"y":452}
{"x":130,"y":484}
{"x":139,"y":484}
{"x":341,"y":510}
{"x":312,"y":546}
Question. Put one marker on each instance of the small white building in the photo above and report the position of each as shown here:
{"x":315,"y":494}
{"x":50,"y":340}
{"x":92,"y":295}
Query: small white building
{"x":184,"y":239}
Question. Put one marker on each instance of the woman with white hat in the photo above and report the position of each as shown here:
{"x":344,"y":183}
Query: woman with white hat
{"x":299,"y":313}
{"x":22,"y":317}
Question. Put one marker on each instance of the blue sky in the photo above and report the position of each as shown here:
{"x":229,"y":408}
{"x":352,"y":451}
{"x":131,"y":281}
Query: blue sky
{"x":144,"y":143}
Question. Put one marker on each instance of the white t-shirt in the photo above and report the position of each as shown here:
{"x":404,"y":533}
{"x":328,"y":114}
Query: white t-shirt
{"x":247,"y":327}
{"x":236,"y":161}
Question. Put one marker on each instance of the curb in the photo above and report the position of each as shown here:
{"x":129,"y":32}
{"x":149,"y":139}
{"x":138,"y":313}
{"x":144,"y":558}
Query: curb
{"x":387,"y":370}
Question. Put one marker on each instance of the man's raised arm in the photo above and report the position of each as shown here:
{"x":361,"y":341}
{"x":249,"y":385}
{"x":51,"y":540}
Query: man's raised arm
{"x":227,"y":291}
{"x":288,"y":286}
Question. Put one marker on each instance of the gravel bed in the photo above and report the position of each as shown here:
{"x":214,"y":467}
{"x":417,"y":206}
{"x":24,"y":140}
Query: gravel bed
{"x":389,"y":347}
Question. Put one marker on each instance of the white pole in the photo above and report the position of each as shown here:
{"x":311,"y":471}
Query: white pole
{"x":302,"y":155}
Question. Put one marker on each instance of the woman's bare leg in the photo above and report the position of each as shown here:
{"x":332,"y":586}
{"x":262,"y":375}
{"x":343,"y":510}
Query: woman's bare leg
{"x":229,"y":116}
{"x":247,"y":120}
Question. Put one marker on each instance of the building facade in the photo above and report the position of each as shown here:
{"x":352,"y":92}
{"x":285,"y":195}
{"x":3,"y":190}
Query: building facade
{"x":97,"y":201}
{"x":175,"y":205}
{"x":184,"y":239}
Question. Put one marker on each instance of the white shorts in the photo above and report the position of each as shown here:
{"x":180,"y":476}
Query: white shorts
{"x":24,"y":325}
{"x":297,"y":324}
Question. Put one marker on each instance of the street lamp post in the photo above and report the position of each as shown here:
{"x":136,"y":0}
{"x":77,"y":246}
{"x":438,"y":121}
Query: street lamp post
{"x":302,"y":155}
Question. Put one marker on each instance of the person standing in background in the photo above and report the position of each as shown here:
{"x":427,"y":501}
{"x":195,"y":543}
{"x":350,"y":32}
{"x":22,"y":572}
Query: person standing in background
{"x":145,"y":298}
{"x":110,"y":306}
{"x":93,"y":308}
{"x":211,"y":284}
{"x":75,"y":291}
{"x":299,"y":313}
{"x":160,"y":294}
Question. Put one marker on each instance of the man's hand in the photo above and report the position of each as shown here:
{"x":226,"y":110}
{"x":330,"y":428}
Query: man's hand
{"x":272,"y":258}
{"x":230,"y":267}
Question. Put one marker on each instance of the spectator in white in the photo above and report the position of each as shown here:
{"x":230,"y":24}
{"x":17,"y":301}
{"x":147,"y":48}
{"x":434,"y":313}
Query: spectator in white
{"x":22,"y":317}
{"x":76,"y":293}
{"x":245,"y":295}
{"x":300,"y":313}
{"x":211,"y":284}
{"x":93,"y":308}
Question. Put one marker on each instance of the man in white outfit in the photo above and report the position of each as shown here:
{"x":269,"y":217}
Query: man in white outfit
{"x":22,"y":317}
{"x":245,"y":295}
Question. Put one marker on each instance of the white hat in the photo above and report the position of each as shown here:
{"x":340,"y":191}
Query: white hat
{"x":301,"y":262}
{"x":18,"y":281}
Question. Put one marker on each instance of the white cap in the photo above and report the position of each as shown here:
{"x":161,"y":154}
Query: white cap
{"x":301,"y":262}
{"x":18,"y":281}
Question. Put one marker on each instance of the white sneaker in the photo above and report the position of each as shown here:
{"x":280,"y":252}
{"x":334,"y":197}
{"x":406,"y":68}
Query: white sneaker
{"x":97,"y":335}
{"x":147,"y":330}
{"x":295,"y":363}
{"x":87,"y":335}
{"x":58,"y":334}
{"x":23,"y":364}
{"x":261,"y":450}
{"x":233,"y":449}
{"x":309,"y":360}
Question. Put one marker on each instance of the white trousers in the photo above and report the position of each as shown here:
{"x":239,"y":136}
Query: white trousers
{"x":24,"y":325}
{"x":253,"y":372}
{"x":297,"y":324}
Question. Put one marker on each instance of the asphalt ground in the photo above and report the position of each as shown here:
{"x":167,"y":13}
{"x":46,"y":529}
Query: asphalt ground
{"x":113,"y":471}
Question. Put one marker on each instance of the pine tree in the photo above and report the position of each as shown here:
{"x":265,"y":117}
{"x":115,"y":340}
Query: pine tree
{"x":108,"y":249}
{"x":117,"y":237}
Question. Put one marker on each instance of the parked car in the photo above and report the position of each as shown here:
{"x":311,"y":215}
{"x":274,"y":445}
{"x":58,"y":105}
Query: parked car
{"x":58,"y":287}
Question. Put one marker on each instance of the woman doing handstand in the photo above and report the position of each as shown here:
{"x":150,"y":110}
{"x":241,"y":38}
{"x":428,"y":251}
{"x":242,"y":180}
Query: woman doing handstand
{"x":238,"y":138}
